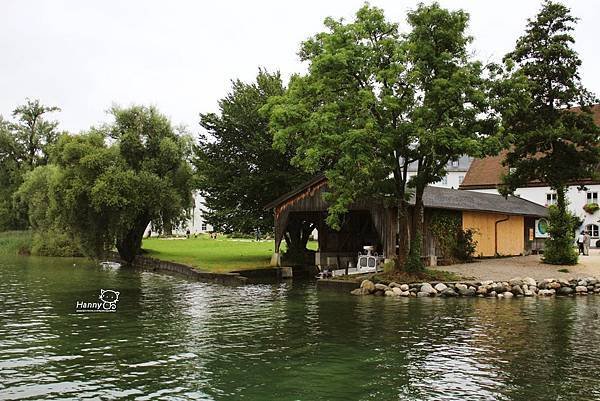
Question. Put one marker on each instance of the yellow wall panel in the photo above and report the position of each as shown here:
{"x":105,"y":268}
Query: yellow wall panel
{"x":511,"y":239}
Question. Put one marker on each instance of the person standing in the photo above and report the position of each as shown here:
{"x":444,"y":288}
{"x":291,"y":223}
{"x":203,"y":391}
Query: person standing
{"x":580,"y":242}
{"x":586,"y":243}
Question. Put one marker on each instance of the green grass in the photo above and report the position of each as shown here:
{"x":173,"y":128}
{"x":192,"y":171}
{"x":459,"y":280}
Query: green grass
{"x":564,"y":270}
{"x":15,"y":243}
{"x":218,"y":255}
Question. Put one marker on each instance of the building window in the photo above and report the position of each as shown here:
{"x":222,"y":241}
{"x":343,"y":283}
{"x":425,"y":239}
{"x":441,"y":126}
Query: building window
{"x":550,"y":199}
{"x":454,"y":163}
{"x":204,"y":226}
{"x":593,"y":230}
{"x":461,"y":178}
{"x":445,"y":180}
{"x":592,"y":197}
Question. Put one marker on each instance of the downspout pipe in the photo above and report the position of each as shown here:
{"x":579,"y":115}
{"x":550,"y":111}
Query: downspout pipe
{"x":496,"y":233}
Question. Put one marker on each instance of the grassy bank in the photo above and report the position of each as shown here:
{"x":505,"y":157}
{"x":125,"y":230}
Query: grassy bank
{"x":218,"y":255}
{"x":15,"y":243}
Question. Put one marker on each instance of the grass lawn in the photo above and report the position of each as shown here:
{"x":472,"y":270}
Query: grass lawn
{"x":218,"y":255}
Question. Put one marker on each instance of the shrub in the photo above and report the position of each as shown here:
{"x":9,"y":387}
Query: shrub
{"x":455,"y":243}
{"x":14,"y":243}
{"x":55,"y":242}
{"x":591,"y":208}
{"x":558,"y":248}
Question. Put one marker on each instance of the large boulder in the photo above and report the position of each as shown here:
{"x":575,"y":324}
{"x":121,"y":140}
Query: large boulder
{"x":529,"y":281}
{"x":580,"y":289}
{"x":466,"y":291}
{"x":482,"y":290}
{"x":439,"y":287}
{"x":421,"y":294}
{"x":381,"y":287}
{"x":564,"y":291}
{"x":368,"y":285}
{"x":515,"y":281}
{"x":449,"y":292}
{"x":426,"y":287}
{"x":360,"y":291}
{"x":404,"y":287}
{"x":508,"y":294}
{"x":517,"y":290}
{"x":397,"y":291}
{"x":390,"y":293}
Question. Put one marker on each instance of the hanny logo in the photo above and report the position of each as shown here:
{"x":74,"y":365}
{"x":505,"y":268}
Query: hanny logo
{"x":107,"y":302}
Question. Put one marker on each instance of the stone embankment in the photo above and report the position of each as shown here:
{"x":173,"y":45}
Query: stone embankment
{"x":516,"y":287}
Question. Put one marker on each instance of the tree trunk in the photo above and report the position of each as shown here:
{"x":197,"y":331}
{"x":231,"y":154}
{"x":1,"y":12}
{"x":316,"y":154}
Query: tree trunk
{"x":402,"y":233}
{"x":130,"y":244}
{"x":296,"y":237}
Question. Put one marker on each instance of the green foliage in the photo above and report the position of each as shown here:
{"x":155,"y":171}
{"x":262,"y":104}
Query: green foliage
{"x":55,"y":242}
{"x":465,"y":245}
{"x":546,"y":134}
{"x":591,"y":208}
{"x":455,"y":243}
{"x":558,"y":249}
{"x":239,"y":172}
{"x":14,"y":243}
{"x":106,"y":192}
{"x":414,"y":264}
{"x":24,"y":145}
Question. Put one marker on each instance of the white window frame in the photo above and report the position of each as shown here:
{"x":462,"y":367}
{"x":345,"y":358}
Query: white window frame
{"x":591,"y":197}
{"x":551,"y":198}
{"x":444,"y":180}
{"x":460,"y":179}
{"x":204,"y":226}
{"x":593,"y":229}
{"x":454,"y":163}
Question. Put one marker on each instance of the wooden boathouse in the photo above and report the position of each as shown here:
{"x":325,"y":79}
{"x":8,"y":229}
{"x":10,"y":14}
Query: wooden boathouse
{"x":503,"y":226}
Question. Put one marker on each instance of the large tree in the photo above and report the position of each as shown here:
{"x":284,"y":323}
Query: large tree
{"x":25,"y":144}
{"x":239,"y":172}
{"x":551,"y":142}
{"x":347,"y":117}
{"x":115,"y":180}
{"x":452,"y":113}
{"x":375,"y":101}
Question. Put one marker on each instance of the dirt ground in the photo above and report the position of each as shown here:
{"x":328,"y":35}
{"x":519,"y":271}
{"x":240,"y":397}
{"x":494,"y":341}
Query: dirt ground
{"x":526,"y":266}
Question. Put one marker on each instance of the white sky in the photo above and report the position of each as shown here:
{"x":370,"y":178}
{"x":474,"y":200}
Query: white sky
{"x":84,"y":56}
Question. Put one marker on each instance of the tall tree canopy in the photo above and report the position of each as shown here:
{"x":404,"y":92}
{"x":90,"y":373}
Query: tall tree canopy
{"x":113,"y":181}
{"x":551,"y":142}
{"x":239,"y":171}
{"x":375,"y":101}
{"x":452,"y":110}
{"x":25,"y":144}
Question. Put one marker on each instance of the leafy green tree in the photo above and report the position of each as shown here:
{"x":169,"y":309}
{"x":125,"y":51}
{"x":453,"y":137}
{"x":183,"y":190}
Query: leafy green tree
{"x":24,"y":144}
{"x":452,"y":113}
{"x":551,"y":142}
{"x":239,"y":171}
{"x":115,"y":180}
{"x":348,"y":117}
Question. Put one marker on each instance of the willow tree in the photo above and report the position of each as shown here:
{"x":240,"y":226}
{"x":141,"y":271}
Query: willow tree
{"x":347,"y":117}
{"x":551,"y":142}
{"x":112,"y":182}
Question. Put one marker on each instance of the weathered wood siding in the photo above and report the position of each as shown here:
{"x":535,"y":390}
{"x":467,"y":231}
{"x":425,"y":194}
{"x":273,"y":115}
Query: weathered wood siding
{"x":510,"y":240}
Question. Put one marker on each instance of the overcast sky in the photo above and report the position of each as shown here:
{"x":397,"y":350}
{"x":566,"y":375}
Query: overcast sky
{"x":84,"y":56}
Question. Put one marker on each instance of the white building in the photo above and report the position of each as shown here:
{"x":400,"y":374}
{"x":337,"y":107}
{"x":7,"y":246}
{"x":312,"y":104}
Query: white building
{"x":486,"y":174}
{"x":196,"y":224}
{"x":456,"y":172}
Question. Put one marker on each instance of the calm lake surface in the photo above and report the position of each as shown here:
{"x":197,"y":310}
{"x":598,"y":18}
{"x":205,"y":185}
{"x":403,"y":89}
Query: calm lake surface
{"x":175,"y":339}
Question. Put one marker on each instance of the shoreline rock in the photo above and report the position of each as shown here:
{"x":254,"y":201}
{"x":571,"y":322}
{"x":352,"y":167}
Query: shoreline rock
{"x":514,"y":288}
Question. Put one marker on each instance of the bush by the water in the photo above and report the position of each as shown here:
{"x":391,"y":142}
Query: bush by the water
{"x":15,"y":243}
{"x":54,"y":242}
{"x":558,"y":248}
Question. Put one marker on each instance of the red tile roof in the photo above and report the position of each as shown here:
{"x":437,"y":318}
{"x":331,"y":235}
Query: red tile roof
{"x":487,"y":173}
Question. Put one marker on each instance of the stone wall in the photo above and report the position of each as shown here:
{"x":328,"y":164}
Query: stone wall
{"x":516,"y":287}
{"x":152,"y":264}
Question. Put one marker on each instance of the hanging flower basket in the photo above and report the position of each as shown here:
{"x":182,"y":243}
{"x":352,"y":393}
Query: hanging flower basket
{"x":591,"y":208}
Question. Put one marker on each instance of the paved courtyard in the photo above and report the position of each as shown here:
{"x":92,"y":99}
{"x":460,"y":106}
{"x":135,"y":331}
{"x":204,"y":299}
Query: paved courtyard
{"x":526,"y":266}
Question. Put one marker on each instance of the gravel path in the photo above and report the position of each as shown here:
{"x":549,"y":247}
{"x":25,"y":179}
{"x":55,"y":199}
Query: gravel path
{"x":526,"y":266}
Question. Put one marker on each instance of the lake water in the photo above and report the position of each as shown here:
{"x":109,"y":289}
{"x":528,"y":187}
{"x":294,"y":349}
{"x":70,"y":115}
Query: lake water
{"x":175,"y":339}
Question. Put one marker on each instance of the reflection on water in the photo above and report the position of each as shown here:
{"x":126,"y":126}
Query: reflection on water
{"x":171,"y":338}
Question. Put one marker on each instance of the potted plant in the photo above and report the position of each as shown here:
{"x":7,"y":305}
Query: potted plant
{"x":591,"y":208}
